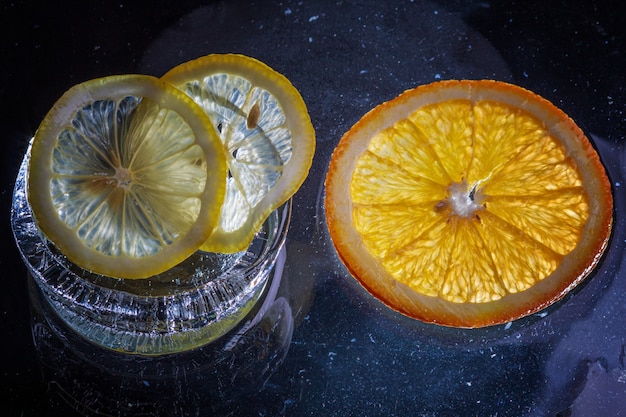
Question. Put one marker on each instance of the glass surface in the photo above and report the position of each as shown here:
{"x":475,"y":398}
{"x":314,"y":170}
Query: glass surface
{"x":348,"y":355}
{"x":192,"y":304}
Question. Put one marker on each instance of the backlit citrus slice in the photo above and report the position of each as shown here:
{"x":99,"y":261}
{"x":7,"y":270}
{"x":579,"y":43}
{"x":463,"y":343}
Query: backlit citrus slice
{"x":126,"y":176}
{"x":267,"y":135}
{"x":468,"y":203}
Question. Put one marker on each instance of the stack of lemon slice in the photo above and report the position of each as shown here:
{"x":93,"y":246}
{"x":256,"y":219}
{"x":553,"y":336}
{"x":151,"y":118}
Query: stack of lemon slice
{"x":129,"y":175}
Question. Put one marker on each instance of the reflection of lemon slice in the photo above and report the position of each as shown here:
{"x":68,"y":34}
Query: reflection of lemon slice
{"x":126,"y":176}
{"x":468,"y":203}
{"x":267,"y":135}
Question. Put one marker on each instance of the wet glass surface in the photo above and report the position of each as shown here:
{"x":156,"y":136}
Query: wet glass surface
{"x":320,"y":345}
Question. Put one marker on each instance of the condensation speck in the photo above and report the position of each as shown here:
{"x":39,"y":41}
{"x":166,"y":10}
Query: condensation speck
{"x":310,"y":39}
{"x":313,"y":18}
{"x":437,"y":76}
{"x":617,"y":183}
{"x":287,"y":11}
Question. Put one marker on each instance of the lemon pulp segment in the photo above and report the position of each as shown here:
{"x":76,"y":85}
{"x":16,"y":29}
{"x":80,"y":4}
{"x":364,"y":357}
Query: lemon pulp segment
{"x":258,"y":146}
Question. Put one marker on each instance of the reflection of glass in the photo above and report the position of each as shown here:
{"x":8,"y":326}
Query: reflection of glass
{"x":209,"y":380}
{"x":188,"y":306}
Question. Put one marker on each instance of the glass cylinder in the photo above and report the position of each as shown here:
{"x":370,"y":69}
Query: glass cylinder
{"x":188,"y":306}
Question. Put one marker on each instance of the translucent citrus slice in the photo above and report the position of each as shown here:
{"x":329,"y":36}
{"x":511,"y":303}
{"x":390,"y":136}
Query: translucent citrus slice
{"x":468,"y":203}
{"x":126,"y":176}
{"x":267,"y":135}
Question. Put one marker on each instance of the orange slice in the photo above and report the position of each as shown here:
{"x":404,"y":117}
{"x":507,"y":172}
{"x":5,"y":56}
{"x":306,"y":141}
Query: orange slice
{"x":468,"y":203}
{"x":267,"y":136}
{"x":126,"y":176}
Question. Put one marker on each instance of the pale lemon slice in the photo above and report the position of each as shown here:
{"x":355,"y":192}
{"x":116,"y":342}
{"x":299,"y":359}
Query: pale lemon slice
{"x":126,"y":176}
{"x":267,"y":136}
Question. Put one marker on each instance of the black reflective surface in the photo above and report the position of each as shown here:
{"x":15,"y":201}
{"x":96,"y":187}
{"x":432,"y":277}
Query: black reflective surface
{"x":323,"y":346}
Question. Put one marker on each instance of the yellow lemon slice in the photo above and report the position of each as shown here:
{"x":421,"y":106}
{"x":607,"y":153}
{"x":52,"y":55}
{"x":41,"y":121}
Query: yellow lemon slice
{"x":468,"y":203}
{"x":267,"y":136}
{"x":126,"y":176}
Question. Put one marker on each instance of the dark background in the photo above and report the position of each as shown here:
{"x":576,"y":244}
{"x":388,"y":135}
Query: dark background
{"x":349,"y":355}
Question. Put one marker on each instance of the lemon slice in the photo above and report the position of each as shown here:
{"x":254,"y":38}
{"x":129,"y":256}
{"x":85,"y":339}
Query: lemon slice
{"x":468,"y":203}
{"x":267,"y":136}
{"x":126,"y":176}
